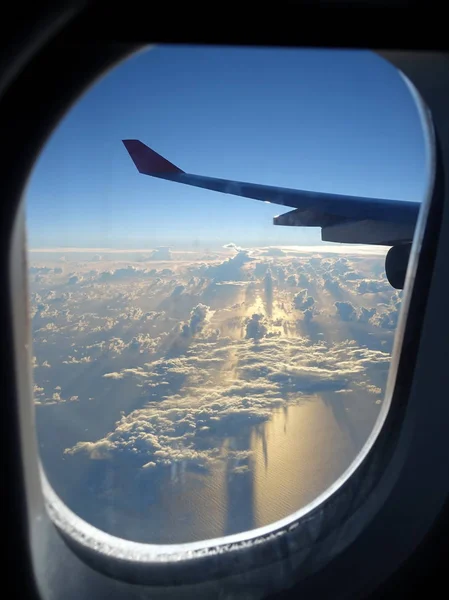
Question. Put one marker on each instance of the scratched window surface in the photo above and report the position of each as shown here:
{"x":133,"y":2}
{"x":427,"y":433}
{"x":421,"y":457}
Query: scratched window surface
{"x":198,"y":370}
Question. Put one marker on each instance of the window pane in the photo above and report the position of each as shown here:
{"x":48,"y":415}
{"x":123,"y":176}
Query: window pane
{"x":199,"y":371}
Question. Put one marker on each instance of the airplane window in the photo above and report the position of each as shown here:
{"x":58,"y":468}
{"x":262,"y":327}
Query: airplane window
{"x":218,"y":240}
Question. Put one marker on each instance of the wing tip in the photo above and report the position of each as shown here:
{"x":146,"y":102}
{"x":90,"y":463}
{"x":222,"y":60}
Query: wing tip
{"x":148,"y":161}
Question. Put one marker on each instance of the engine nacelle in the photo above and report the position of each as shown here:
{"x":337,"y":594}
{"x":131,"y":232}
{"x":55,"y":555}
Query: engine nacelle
{"x":396,"y":263}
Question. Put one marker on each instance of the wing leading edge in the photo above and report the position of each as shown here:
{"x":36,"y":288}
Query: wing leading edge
{"x":346,"y":219}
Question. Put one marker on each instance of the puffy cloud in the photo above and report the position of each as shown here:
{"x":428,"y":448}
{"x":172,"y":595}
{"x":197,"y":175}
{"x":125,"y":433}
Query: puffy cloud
{"x":33,"y":270}
{"x":198,"y":318}
{"x":255,"y":327}
{"x":366,"y":314}
{"x":73,"y":360}
{"x":388,"y":319}
{"x":353,"y":276}
{"x":302,"y":301}
{"x":178,"y":341}
{"x":114,"y":375}
{"x":114,"y":346}
{"x":396,"y":298}
{"x":161,"y":253}
{"x":191,"y":419}
{"x":332,"y":285}
{"x":388,"y":315}
{"x":174,"y":386}
{"x":240,"y":469}
{"x":232,"y":246}
{"x":340,"y":266}
{"x":231,"y":269}
{"x":122,"y":273}
{"x":372,"y":286}
{"x":346,"y":311}
{"x":373,"y":389}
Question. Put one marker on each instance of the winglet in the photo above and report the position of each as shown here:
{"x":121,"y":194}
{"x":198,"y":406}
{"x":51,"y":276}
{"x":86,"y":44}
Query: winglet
{"x":148,"y":161}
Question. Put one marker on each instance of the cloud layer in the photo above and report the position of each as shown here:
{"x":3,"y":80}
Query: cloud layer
{"x":176,"y":363}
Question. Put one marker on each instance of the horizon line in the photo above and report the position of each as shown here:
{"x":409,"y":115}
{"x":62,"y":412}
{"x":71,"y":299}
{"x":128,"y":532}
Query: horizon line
{"x":326,"y":248}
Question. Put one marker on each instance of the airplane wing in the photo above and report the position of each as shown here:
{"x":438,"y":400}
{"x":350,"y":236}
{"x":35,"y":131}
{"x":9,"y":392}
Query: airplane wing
{"x":346,"y":219}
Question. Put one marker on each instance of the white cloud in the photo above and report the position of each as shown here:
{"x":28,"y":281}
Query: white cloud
{"x":346,"y":311}
{"x":114,"y":375}
{"x":255,"y":327}
{"x":161,"y":253}
{"x":203,"y":350}
{"x":190,"y":420}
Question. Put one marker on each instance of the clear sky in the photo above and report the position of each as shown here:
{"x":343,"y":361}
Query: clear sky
{"x":337,"y":121}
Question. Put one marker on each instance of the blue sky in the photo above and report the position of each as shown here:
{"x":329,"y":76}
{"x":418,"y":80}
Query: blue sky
{"x":337,"y":121}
